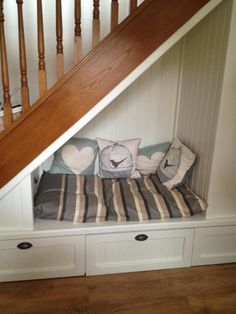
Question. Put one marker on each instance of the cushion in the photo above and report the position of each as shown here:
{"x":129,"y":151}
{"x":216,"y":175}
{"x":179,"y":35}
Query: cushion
{"x":93,"y":199}
{"x":118,"y":159}
{"x":149,"y":157}
{"x":174,"y":169}
{"x":77,"y":156}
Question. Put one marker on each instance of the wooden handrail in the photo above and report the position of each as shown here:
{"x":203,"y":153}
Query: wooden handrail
{"x":84,"y":86}
{"x":5,"y":77}
{"x":133,"y":5}
{"x":114,"y":13}
{"x":25,"y":101}
{"x":59,"y":35}
{"x":41,"y":51}
{"x":78,"y":41}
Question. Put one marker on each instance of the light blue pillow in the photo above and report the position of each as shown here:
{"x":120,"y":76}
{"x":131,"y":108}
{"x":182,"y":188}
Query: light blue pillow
{"x":150,"y":157}
{"x":77,"y":156}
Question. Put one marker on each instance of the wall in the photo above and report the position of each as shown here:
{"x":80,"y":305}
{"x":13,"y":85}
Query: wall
{"x":16,"y":208}
{"x":179,"y":95}
{"x":222,"y":195}
{"x":146,"y":109}
{"x":200,"y":90}
{"x":152,"y":107}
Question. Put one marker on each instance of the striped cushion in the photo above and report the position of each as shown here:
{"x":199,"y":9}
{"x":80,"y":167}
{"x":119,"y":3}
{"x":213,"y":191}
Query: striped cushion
{"x":93,"y":199}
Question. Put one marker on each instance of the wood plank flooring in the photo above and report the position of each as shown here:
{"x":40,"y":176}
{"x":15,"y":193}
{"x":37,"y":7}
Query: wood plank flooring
{"x":208,"y":289}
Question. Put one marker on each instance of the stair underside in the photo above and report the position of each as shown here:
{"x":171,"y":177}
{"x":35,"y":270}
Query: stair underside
{"x":69,"y":100}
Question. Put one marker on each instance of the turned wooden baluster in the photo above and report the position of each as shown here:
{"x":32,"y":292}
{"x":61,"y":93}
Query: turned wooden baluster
{"x":25,"y":101}
{"x":78,"y":41}
{"x":96,"y":23}
{"x":114,"y":13}
{"x":133,"y":5}
{"x":5,"y":77}
{"x":41,"y":51}
{"x":59,"y":34}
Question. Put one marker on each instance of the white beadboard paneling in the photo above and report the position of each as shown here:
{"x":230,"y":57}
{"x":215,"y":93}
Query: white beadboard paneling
{"x":146,"y":109}
{"x":16,"y":207}
{"x":222,"y":193}
{"x":10,"y":209}
{"x":202,"y":74}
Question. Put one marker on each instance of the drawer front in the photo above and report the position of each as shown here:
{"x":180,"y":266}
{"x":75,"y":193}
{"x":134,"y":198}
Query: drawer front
{"x":42,"y":258}
{"x":214,"y":245}
{"x":125,"y":252}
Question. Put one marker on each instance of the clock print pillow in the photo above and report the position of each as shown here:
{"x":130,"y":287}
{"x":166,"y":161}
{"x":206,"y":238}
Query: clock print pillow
{"x":77,"y":156}
{"x":175,"y":168}
{"x":118,"y":159}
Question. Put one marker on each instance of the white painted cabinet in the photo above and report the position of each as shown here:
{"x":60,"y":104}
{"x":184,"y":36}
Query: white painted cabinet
{"x":115,"y":252}
{"x":214,"y":245}
{"x":124,"y":252}
{"x":42,"y":258}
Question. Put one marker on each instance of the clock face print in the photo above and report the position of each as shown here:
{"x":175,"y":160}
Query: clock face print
{"x":116,"y":157}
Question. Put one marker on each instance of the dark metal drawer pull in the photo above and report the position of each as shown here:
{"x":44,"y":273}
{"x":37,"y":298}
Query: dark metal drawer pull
{"x":24,"y":245}
{"x":141,"y":237}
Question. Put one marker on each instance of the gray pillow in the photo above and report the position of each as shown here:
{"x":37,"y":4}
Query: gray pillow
{"x":77,"y":156}
{"x":118,"y":159}
{"x":149,"y":157}
{"x":175,"y":168}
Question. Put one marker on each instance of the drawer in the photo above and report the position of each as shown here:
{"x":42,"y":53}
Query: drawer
{"x":126,"y":252}
{"x":214,"y":245}
{"x":42,"y":258}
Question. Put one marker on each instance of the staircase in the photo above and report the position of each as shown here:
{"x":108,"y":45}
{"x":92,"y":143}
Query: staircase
{"x":87,"y":88}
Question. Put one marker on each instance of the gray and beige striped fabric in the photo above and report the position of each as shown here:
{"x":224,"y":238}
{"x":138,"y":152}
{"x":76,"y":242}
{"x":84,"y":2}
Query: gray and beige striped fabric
{"x":93,"y":199}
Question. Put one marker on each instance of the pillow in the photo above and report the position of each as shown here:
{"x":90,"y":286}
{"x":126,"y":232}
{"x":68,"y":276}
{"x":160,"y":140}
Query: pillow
{"x":77,"y":156}
{"x":175,"y":168}
{"x":149,"y":157}
{"x":118,"y":159}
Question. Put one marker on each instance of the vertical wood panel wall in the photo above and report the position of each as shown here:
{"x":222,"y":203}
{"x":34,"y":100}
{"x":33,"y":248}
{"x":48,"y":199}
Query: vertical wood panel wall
{"x":179,"y":95}
{"x":222,"y":196}
{"x":202,"y":73}
{"x":146,"y":109}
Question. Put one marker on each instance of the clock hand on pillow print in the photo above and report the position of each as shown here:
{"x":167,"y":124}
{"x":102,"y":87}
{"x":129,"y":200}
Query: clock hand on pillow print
{"x":116,"y":164}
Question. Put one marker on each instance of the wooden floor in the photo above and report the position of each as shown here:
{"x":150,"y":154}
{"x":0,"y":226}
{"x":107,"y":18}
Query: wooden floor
{"x":208,"y":289}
